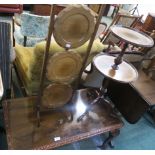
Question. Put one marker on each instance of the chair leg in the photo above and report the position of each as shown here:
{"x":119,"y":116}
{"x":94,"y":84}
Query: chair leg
{"x":151,"y":112}
{"x":20,"y":82}
{"x":2,"y":130}
{"x":25,"y":40}
{"x":13,"y":27}
{"x":112,"y":15}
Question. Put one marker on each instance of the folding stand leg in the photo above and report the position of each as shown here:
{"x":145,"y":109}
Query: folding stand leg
{"x":108,"y":141}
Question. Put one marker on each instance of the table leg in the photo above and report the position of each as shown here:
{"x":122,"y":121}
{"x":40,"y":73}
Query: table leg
{"x":108,"y":141}
{"x":151,"y":112}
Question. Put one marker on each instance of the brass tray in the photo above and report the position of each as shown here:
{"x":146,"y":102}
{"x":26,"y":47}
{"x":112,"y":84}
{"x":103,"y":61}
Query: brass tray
{"x":132,"y":36}
{"x":64,"y":67}
{"x":56,"y":95}
{"x":126,"y":72}
{"x":74,"y":25}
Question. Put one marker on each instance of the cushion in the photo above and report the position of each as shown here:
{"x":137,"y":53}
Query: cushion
{"x":24,"y":56}
{"x":54,"y":47}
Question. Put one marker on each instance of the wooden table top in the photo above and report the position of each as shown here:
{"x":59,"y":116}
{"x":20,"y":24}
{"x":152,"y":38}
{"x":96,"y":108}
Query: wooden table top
{"x":146,"y":87}
{"x":56,"y":128}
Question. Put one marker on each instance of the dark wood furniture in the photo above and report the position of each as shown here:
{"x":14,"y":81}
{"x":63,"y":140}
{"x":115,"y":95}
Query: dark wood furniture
{"x":45,"y":9}
{"x":11,"y":8}
{"x":127,"y":100}
{"x":57,"y":127}
{"x":41,"y":9}
{"x":149,"y":23}
{"x":138,"y":96}
{"x":105,"y":13}
{"x":146,"y":87}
